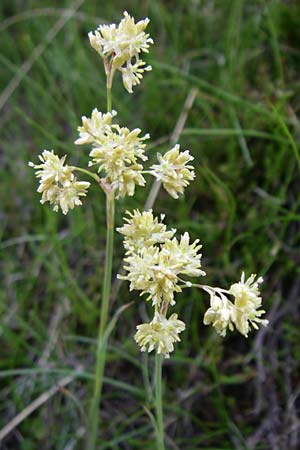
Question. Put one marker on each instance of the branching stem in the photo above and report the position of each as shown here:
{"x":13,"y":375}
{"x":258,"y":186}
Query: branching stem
{"x":87,"y":172}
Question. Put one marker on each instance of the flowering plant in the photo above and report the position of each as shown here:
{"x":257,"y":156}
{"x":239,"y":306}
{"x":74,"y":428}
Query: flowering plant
{"x":156,"y":263}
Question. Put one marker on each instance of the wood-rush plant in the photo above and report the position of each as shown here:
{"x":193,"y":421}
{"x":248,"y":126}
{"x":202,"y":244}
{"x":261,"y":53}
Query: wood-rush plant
{"x":156,"y":262}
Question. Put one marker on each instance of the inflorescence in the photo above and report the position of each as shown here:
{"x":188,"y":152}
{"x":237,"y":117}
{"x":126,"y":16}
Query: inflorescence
{"x":120,"y":47}
{"x":58,"y":184}
{"x":157,"y":264}
{"x":117,"y":153}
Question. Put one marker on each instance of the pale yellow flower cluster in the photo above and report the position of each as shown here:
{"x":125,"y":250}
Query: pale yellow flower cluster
{"x":155,"y":263}
{"x":120,"y":47}
{"x":58,"y":184}
{"x":156,"y":269}
{"x":247,"y":301}
{"x":220,"y":314}
{"x":143,"y":230}
{"x":173,"y":170}
{"x":116,"y":151}
{"x":242,"y":313}
{"x":160,"y":334}
{"x":92,"y":128}
{"x":132,"y":74}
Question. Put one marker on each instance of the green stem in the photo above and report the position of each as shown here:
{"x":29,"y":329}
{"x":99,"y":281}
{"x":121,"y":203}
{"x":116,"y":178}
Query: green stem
{"x":101,"y":343}
{"x":158,"y":403}
{"x":109,"y":101}
{"x":109,"y":82}
{"x":87,"y":172}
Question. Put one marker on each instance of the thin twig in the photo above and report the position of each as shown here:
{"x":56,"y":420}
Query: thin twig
{"x":183,"y":116}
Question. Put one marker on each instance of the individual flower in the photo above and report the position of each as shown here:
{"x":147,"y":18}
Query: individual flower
{"x":156,"y":270}
{"x":160,"y":334}
{"x":120,"y":47}
{"x":220,"y":314}
{"x":93,"y":128}
{"x":58,"y":185}
{"x":247,"y":302}
{"x":132,"y":74}
{"x":116,"y":154}
{"x":143,"y":230}
{"x":173,"y":170}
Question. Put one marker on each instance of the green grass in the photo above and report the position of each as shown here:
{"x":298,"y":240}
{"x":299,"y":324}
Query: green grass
{"x":243,"y":131}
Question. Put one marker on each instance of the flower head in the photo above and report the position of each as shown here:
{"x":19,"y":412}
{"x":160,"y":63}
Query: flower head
{"x":132,"y":37}
{"x":173,"y":170}
{"x":247,"y":302}
{"x":93,"y":128}
{"x":69,"y":195}
{"x":58,"y":185}
{"x":220,"y":314}
{"x":52,"y":169}
{"x":156,"y":269}
{"x":184,"y":256}
{"x":123,"y":43}
{"x":160,"y":334}
{"x":149,"y":272}
{"x":242,"y":313}
{"x":126,"y":40}
{"x":143,"y":230}
{"x":116,"y":153}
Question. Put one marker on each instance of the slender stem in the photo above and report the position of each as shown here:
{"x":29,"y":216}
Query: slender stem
{"x":109,"y":82}
{"x":109,"y":101}
{"x":87,"y":172}
{"x":158,"y":403}
{"x":101,"y":343}
{"x":207,"y":288}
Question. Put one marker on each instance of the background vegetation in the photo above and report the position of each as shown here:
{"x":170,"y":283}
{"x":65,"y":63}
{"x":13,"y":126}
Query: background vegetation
{"x":243,"y":130}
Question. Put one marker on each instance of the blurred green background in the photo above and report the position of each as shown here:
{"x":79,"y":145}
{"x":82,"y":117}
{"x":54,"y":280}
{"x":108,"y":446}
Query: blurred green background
{"x":240,"y":61}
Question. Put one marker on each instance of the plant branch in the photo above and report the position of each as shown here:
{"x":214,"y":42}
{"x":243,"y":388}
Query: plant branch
{"x":87,"y":172}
